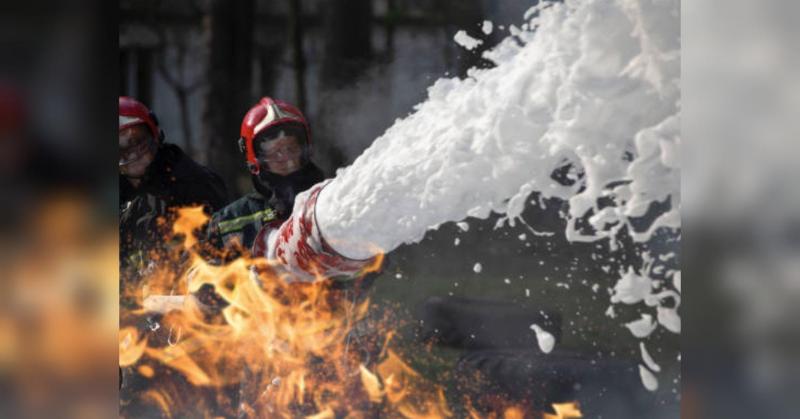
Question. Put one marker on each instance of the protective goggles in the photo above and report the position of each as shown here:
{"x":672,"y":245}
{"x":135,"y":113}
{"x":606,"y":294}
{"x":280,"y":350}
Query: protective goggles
{"x":280,"y":144}
{"x":135,"y":147}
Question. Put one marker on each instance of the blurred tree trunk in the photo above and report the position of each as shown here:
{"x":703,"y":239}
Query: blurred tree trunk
{"x":348,"y":40}
{"x":176,"y":80}
{"x":298,"y":58}
{"x":348,"y":51}
{"x":392,"y":13}
{"x":144,"y":76}
{"x":229,"y":30}
{"x":124,"y":65}
{"x":267,"y":69}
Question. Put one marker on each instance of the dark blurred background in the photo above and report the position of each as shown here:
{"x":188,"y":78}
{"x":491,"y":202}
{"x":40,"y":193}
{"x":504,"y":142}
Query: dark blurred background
{"x":352,"y":66}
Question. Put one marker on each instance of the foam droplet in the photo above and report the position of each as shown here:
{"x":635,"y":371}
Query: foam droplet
{"x":649,"y":380}
{"x":544,"y":338}
{"x":643,"y":327}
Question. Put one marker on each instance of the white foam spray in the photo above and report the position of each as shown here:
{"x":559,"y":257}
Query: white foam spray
{"x":594,"y":84}
{"x":643,"y":327}
{"x":466,"y":41}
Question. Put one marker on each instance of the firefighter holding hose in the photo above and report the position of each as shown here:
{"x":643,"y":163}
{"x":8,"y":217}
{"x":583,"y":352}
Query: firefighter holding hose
{"x":276,"y":219}
{"x":276,"y":143}
{"x":275,"y":140}
{"x":155,"y":177}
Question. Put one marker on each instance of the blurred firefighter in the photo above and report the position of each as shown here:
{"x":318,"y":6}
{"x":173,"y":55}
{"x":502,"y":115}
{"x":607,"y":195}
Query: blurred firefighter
{"x":154,"y":178}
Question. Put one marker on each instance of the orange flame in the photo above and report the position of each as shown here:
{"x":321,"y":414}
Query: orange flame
{"x":565,"y":411}
{"x":130,"y":347}
{"x":189,"y":220}
{"x":287,"y":341}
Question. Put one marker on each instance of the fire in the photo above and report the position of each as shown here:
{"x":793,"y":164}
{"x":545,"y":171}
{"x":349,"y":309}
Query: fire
{"x":371,"y":384}
{"x":189,"y":220}
{"x":283,"y":346}
{"x":565,"y":411}
{"x":130,"y":347}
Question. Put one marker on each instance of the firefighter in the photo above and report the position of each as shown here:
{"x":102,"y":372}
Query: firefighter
{"x":275,"y":140}
{"x":154,"y":178}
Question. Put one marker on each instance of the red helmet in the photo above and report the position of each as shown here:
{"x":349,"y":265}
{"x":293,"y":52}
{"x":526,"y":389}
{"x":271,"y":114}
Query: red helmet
{"x":268,"y":113}
{"x":132,"y":112}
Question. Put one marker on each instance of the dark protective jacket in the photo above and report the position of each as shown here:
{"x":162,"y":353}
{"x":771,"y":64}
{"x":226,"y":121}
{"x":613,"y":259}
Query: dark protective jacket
{"x":272,"y":202}
{"x":172,"y":181}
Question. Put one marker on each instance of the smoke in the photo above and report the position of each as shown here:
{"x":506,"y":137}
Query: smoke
{"x":353,"y":115}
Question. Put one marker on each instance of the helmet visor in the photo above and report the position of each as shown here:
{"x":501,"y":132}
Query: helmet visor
{"x":281,"y":143}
